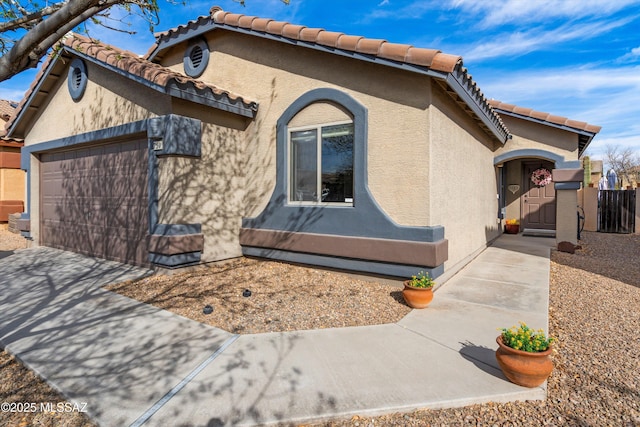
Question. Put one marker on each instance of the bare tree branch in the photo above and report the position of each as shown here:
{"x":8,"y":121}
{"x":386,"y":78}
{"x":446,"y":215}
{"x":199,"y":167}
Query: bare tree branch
{"x":28,"y":50}
{"x":624,"y":161}
{"x":29,"y":20}
{"x":28,"y":31}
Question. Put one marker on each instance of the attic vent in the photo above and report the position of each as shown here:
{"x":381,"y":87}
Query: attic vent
{"x":77,"y":79}
{"x":196,"y":58}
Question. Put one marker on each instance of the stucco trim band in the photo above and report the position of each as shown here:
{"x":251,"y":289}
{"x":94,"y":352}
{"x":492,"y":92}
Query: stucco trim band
{"x":369,"y":267}
{"x":8,"y":207}
{"x":9,"y":160}
{"x":529,"y":153}
{"x":568,"y":175}
{"x":174,"y":245}
{"x":567,"y":185}
{"x":427,"y":254}
{"x":178,"y":260}
{"x":23,"y":224}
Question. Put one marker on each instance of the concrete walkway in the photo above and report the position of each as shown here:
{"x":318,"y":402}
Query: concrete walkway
{"x":133,"y":364}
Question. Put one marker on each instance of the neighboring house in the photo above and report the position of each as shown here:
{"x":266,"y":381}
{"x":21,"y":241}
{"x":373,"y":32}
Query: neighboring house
{"x":596,"y":172}
{"x":241,"y":135}
{"x":11,"y":177}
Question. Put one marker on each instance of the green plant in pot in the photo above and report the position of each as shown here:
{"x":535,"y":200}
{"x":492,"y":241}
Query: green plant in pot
{"x":524,"y":355}
{"x":418,"y":291}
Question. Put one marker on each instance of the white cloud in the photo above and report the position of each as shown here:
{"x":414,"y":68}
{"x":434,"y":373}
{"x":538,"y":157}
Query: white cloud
{"x":495,"y":13}
{"x":607,"y":97}
{"x":631,"y":56}
{"x":523,"y":42}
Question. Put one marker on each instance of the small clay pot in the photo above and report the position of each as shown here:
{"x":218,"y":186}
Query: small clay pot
{"x":522,"y":367}
{"x":416,"y":297}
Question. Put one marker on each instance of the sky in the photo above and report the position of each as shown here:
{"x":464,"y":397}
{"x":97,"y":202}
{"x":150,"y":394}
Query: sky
{"x":574,"y":58}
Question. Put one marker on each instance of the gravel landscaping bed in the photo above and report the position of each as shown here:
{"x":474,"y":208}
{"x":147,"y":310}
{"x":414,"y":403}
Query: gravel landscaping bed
{"x":594,"y":313}
{"x":284,"y":297}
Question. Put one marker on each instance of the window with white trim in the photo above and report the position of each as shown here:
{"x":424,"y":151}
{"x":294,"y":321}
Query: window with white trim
{"x":321,"y":164}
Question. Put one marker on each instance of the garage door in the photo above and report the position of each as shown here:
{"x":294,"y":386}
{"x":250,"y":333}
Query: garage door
{"x":95,"y":201}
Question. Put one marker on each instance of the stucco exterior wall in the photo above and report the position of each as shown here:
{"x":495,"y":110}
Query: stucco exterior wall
{"x":208,"y":190}
{"x":566,"y":219}
{"x":11,"y":184}
{"x":529,"y":135}
{"x":320,"y":112}
{"x":276,"y":74}
{"x":109,"y":100}
{"x":463,"y":186}
{"x":588,"y":200}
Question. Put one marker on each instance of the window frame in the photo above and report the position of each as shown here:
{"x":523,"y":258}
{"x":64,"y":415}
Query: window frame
{"x":318,"y":129}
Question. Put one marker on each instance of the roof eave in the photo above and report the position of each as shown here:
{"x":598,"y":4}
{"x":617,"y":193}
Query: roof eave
{"x":164,"y":41}
{"x":458,"y":81}
{"x":584,"y":136}
{"x":182,"y":91}
{"x":11,"y":131}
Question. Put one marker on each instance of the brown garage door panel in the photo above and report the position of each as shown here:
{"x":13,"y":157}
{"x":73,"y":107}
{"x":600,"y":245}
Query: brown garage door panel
{"x":94,"y":201}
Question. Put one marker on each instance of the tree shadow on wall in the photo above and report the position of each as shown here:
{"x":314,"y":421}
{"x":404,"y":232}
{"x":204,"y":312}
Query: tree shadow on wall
{"x":90,"y":343}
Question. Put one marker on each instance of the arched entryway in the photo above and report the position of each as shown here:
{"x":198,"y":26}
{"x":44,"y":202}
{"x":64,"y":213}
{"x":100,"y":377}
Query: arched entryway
{"x":536,"y":207}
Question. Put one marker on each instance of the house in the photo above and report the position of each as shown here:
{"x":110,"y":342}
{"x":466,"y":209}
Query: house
{"x":595,"y":170}
{"x":11,"y":177}
{"x":242,"y":135}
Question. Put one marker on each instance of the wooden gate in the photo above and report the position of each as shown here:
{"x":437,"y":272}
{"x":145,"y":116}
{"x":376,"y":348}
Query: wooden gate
{"x":617,"y":211}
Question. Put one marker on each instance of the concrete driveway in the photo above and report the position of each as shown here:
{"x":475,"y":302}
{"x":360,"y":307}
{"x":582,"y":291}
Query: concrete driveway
{"x":134,"y":364}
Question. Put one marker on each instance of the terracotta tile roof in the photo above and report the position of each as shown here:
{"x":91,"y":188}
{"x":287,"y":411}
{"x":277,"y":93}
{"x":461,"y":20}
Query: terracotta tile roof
{"x":545,"y":117}
{"x":154,"y":73}
{"x":131,"y":63}
{"x":7,"y":108}
{"x":430,"y":58}
{"x":433,"y":60}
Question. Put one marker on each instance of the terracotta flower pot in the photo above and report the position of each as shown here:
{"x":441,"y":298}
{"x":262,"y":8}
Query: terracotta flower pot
{"x":416,"y":297}
{"x":522,"y":367}
{"x":511,"y":228}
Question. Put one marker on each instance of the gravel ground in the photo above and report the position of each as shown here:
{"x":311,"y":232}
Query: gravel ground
{"x":283,"y":297}
{"x":594,"y":313}
{"x":10,"y":241}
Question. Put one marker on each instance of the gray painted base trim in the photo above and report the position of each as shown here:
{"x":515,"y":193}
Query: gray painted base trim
{"x":384,"y":269}
{"x":23,"y":224}
{"x":567,"y":185}
{"x":173,"y":261}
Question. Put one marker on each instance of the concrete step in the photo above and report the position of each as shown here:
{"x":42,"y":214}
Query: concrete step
{"x":538,"y":232}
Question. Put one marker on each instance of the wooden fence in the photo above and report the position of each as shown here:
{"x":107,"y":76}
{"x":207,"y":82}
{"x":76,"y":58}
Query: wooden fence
{"x":617,"y":211}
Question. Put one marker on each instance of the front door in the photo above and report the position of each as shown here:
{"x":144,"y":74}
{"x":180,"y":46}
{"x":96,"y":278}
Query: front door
{"x":538,"y":202}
